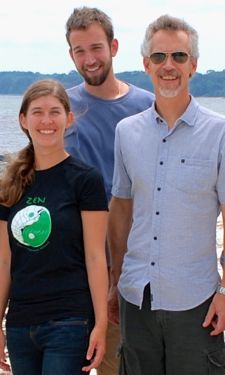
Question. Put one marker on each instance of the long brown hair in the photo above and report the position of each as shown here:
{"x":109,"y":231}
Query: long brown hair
{"x":19,"y":171}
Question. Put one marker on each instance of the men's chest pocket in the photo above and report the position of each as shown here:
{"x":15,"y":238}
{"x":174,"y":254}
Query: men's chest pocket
{"x":191,"y":175}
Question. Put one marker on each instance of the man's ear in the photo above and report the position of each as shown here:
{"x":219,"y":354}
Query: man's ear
{"x":146,"y":64}
{"x":194,"y":64}
{"x":71,"y":53}
{"x":114,"y":47}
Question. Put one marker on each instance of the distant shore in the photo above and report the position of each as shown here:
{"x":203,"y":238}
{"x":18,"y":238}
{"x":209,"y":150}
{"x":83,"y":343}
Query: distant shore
{"x":210,"y":84}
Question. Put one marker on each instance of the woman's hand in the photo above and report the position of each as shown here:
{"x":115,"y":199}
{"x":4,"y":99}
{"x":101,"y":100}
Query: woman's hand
{"x":96,"y":348}
{"x":3,"y":361}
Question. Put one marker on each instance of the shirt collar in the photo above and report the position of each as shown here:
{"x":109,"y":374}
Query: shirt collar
{"x":188,"y":117}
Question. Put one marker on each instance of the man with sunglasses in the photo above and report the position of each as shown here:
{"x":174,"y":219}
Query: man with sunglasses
{"x":168,"y":189}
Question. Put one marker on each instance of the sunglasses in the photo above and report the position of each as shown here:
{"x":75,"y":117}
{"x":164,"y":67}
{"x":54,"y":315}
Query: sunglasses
{"x":160,"y":57}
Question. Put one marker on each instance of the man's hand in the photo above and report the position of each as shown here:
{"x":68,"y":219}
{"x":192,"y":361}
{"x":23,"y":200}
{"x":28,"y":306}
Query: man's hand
{"x":216,"y":315}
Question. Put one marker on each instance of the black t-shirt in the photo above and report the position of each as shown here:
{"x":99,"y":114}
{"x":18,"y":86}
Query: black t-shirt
{"x":49,"y":278}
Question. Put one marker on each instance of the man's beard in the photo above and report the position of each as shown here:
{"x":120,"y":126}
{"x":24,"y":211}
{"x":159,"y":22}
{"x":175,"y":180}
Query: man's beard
{"x":98,"y":79}
{"x":169,"y":93}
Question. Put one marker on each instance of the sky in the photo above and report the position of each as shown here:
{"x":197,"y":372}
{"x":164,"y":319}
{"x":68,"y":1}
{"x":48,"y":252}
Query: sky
{"x":32,"y":33}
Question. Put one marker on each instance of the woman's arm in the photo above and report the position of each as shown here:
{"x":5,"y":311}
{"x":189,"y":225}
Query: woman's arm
{"x":5,"y":280}
{"x":94,"y":232}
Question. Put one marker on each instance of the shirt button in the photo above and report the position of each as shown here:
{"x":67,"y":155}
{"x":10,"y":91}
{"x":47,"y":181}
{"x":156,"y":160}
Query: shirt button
{"x":155,"y":238}
{"x":182,"y":160}
{"x":152,"y":263}
{"x":157,"y":213}
{"x":158,"y":188}
{"x":161,"y":163}
{"x":164,"y":140}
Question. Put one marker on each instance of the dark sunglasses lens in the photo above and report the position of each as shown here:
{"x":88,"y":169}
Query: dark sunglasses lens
{"x":180,"y":57}
{"x":158,"y":57}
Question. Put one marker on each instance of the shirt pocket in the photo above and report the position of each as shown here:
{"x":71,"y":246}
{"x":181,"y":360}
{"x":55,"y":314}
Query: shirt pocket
{"x":190,"y":175}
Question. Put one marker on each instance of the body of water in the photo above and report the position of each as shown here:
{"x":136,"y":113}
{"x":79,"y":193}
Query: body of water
{"x":12,"y":138}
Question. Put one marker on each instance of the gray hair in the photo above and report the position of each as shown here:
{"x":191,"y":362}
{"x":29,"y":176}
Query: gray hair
{"x":169,"y":23}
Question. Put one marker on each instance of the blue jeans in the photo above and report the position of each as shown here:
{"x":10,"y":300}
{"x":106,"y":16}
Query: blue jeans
{"x":57,"y":347}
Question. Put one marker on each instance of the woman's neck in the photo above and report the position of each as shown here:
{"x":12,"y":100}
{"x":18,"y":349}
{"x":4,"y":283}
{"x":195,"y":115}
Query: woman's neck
{"x":48,"y":160}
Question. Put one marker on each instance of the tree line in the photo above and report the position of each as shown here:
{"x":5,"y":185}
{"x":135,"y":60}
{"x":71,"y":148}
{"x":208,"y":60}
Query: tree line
{"x":210,"y":84}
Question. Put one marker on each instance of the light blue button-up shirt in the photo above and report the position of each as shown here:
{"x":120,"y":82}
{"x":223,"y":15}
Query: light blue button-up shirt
{"x":176,"y":178}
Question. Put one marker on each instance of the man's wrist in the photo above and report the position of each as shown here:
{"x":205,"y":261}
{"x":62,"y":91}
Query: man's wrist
{"x":220,"y":289}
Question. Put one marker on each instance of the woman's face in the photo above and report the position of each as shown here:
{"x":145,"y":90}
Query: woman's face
{"x":46,"y":121}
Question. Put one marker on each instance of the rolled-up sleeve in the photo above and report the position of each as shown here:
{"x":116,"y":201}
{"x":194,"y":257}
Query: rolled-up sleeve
{"x":220,"y":186}
{"x":121,"y":182}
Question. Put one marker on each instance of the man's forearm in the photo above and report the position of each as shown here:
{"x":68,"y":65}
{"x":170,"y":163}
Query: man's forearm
{"x":120,"y":220}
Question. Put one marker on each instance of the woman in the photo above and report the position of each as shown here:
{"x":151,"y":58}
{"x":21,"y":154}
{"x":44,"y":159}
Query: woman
{"x":53,"y":215}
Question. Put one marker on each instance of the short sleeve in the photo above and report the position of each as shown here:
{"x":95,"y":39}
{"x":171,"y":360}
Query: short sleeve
{"x":220,"y":186}
{"x":70,"y":141}
{"x":92,"y":195}
{"x":121,"y":180}
{"x":4,"y":212}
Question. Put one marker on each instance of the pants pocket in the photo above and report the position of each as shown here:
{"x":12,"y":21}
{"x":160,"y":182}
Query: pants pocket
{"x":216,"y":361}
{"x":122,"y":366}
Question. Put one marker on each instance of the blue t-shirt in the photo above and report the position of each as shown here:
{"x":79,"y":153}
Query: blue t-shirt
{"x":91,"y":138}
